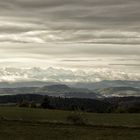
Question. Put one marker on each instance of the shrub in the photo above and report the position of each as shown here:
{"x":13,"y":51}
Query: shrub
{"x":76,"y":118}
{"x":33,"y":105}
{"x":24,"y":104}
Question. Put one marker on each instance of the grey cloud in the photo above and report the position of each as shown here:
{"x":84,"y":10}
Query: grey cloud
{"x":61,"y":49}
{"x":129,"y":65}
{"x":128,"y":59}
{"x":86,"y":15}
{"x":76,"y":60}
{"x":81,"y":36}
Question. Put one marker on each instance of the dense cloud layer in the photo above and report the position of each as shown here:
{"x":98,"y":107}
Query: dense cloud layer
{"x":71,"y":34}
{"x":92,"y":21}
{"x":63,"y":75}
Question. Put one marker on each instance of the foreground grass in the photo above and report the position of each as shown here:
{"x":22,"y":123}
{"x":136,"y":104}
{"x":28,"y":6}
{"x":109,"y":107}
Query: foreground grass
{"x":27,"y":131}
{"x":33,"y":124}
{"x":58,"y":115}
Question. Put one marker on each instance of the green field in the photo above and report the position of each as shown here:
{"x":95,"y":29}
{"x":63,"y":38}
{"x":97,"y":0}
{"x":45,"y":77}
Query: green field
{"x":41,"y":124}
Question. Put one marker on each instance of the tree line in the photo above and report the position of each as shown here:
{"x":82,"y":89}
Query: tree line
{"x":107,"y":105}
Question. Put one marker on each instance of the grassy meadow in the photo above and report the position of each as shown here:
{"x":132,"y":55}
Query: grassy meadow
{"x":42,"y":124}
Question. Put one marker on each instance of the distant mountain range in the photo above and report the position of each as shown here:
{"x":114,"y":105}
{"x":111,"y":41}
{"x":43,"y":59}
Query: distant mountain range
{"x":119,"y":91}
{"x":89,"y":85}
{"x":77,"y":90}
{"x":52,"y":90}
{"x":108,"y":84}
{"x":113,"y":88}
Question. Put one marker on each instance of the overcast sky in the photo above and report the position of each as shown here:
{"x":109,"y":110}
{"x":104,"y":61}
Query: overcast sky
{"x":71,"y":34}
